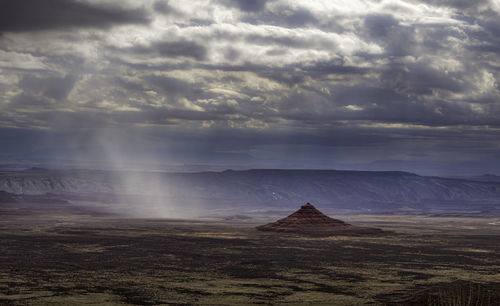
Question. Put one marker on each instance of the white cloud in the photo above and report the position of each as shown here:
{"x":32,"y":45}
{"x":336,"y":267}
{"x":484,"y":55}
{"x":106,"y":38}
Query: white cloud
{"x":17,"y":60}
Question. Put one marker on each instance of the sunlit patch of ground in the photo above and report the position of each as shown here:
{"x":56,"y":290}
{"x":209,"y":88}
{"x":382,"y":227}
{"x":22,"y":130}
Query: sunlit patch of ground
{"x":68,"y":260}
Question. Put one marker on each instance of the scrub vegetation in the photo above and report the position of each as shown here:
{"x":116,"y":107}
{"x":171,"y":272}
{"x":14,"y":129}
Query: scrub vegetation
{"x":425,"y":261}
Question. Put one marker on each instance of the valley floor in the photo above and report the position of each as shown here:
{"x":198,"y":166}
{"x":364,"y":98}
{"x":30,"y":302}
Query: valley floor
{"x":84,"y":260}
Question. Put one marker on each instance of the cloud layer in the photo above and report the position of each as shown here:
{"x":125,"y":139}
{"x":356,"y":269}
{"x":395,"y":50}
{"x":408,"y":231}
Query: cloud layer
{"x":357,"y":81}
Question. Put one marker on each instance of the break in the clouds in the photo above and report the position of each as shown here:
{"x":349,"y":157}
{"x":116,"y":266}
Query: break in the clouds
{"x":258,"y":83}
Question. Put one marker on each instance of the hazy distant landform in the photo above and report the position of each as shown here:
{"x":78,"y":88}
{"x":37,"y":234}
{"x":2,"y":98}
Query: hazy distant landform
{"x":201,"y":194}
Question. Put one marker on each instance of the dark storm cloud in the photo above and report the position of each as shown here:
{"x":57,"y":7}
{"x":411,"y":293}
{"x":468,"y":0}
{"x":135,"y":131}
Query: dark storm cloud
{"x":148,"y":115}
{"x":41,"y":94}
{"x":26,"y":101}
{"x":321,"y":81}
{"x":379,"y":25}
{"x":335,"y":67}
{"x":461,"y":4}
{"x":437,"y":38}
{"x":397,"y":40}
{"x":174,"y":49}
{"x":311,"y":107}
{"x":56,"y":88}
{"x":35,"y":15}
{"x":246,"y":5}
{"x":292,"y":42}
{"x":293,"y":74}
{"x":487,"y":48}
{"x":173,"y":108}
{"x":415,"y":40}
{"x":290,"y":18}
{"x":164,"y":7}
{"x":284,"y":41}
{"x":251,"y":5}
{"x":489,"y":39}
{"x":296,"y":75}
{"x":421,"y":79}
{"x":173,"y":87}
{"x":300,"y":18}
{"x":164,"y":115}
{"x":181,"y":48}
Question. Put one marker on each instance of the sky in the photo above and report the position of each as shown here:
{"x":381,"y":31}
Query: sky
{"x":365,"y":85}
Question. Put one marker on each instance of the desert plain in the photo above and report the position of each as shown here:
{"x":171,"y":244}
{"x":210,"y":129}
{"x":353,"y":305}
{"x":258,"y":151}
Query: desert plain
{"x":80,"y":259}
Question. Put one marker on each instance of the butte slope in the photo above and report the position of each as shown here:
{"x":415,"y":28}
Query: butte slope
{"x":310,"y":221}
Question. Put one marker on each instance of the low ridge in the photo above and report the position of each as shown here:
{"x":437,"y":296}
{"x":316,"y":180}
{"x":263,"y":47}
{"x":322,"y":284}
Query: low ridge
{"x":6,"y":197}
{"x":310,"y":221}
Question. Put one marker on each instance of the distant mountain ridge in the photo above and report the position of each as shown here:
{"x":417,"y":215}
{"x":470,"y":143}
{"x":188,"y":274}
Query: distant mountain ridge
{"x":375,"y":190}
{"x":482,"y":178}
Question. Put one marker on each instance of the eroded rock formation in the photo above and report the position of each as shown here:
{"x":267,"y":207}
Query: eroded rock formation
{"x":310,"y":221}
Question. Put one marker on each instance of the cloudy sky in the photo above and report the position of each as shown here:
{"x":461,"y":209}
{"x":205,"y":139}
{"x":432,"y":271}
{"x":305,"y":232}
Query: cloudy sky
{"x":357,"y":84}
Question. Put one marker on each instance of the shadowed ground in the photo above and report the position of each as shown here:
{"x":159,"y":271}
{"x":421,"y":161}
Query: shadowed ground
{"x":66,"y":260}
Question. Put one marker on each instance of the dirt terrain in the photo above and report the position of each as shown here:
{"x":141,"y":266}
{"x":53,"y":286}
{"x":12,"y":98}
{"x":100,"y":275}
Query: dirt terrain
{"x":99,"y":260}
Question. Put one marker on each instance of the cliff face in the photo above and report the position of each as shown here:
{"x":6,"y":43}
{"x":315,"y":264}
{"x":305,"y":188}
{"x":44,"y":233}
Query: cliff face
{"x":56,"y":182}
{"x":270,"y":188}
